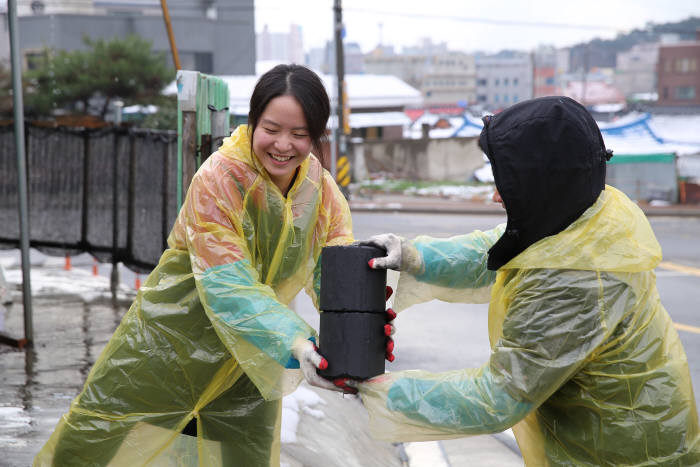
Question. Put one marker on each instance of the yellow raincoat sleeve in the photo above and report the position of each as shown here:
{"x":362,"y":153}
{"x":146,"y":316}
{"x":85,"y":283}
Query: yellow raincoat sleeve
{"x":251,"y":322}
{"x":454,"y":270}
{"x":338,"y":227}
{"x":552,"y":326}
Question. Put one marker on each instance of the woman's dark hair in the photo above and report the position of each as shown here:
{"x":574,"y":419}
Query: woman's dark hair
{"x":306,"y":87}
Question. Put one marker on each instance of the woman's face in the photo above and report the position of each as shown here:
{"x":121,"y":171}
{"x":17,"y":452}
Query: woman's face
{"x":281,"y":140}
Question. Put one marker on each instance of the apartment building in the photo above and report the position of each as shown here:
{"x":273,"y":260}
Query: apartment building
{"x":635,"y":71}
{"x":679,"y":74}
{"x":503,"y":79}
{"x":442,"y":76}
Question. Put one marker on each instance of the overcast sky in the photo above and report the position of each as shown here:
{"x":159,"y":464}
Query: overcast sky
{"x":487,"y":25}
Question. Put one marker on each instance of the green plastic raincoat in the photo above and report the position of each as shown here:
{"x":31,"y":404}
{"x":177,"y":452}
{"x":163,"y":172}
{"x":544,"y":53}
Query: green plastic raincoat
{"x":586,"y":365}
{"x":209,"y":335}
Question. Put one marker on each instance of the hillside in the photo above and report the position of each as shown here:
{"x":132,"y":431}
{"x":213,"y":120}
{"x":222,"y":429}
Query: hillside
{"x":602,"y":53}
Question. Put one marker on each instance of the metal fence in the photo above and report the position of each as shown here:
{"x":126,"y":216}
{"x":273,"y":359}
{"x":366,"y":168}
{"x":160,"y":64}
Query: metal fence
{"x":110,"y":192}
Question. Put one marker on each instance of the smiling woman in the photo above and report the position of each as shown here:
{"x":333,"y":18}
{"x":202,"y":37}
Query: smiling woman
{"x":281,"y":142}
{"x":196,"y":370}
{"x":289,"y":109}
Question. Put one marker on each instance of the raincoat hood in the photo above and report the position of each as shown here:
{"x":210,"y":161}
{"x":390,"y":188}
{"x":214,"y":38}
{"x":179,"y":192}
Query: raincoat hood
{"x":238,"y":146}
{"x":548,"y":160}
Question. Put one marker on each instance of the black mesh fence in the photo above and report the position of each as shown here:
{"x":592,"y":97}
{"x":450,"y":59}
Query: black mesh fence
{"x":110,"y":192}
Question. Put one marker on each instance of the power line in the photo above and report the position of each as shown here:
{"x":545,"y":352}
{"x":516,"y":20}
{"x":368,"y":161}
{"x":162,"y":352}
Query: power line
{"x":182,"y":5}
{"x":474,"y":19}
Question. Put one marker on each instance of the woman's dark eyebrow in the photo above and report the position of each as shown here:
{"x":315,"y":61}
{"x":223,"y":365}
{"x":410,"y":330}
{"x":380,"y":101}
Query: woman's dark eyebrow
{"x":271,"y":122}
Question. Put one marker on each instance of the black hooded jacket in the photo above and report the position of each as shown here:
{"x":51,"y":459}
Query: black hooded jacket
{"x":548,"y":160}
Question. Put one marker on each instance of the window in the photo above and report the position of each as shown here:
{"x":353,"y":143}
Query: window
{"x":515,"y":81}
{"x":482,"y":82}
{"x":685,"y":92}
{"x":204,"y":62}
{"x":686,"y":65}
{"x":34,"y":60}
{"x":505,"y":81}
{"x":515,"y":98}
{"x":505,"y":98}
{"x":496,"y":82}
{"x":495,"y":98}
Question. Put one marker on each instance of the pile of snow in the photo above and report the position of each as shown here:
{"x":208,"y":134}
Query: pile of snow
{"x":301,"y":400}
{"x":454,"y":191}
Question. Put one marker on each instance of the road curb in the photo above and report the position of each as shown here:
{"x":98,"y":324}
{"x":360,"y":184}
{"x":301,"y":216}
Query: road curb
{"x":444,"y":207}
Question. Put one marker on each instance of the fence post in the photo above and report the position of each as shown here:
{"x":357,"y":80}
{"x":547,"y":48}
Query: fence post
{"x":219,"y":117}
{"x":86,"y":191}
{"x":186,"y":130}
{"x":203,"y":121}
{"x":114,"y":276}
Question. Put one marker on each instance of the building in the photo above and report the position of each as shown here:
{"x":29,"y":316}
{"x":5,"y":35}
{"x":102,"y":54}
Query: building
{"x":635,"y":72}
{"x":281,"y":46}
{"x":503,"y":79}
{"x":323,"y":58}
{"x":679,"y":74}
{"x":317,"y":59}
{"x":354,"y":58}
{"x":443,"y":77}
{"x":545,"y":72}
{"x":594,"y":94}
{"x":224,"y":42}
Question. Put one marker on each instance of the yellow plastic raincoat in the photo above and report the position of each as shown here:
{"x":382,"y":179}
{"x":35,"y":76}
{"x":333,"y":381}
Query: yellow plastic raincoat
{"x":209,"y":335}
{"x":586,"y":365}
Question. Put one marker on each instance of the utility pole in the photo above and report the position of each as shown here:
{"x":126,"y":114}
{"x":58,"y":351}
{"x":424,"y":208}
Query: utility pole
{"x":339,"y":139}
{"x":171,"y":37}
{"x":18,"y":112}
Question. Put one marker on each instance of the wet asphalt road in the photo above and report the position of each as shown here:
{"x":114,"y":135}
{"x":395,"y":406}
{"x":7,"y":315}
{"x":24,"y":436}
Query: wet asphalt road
{"x":459,"y":330}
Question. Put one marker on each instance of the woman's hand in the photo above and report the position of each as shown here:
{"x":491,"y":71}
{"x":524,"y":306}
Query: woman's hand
{"x":401,"y":255}
{"x":309,"y":361}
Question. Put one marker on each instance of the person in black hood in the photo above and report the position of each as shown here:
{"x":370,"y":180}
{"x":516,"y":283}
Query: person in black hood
{"x":585,"y":363}
{"x":548,"y":161}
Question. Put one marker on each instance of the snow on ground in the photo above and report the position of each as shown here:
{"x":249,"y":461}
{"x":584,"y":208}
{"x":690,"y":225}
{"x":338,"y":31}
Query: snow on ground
{"x":453,"y":191}
{"x":301,"y":400}
{"x":50,"y":281}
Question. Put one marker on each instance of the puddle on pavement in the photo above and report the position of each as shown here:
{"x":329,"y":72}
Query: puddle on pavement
{"x":39,"y":383}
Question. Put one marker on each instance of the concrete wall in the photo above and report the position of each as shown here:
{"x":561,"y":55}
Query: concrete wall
{"x":449,"y":159}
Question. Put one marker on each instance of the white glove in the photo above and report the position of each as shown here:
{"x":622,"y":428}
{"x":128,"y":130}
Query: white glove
{"x":401,"y":255}
{"x":309,"y":360}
